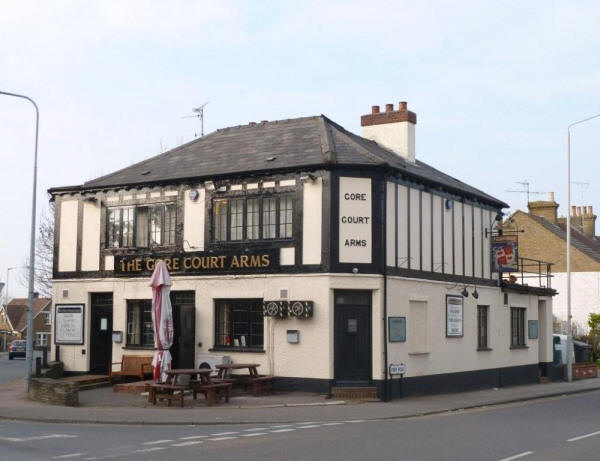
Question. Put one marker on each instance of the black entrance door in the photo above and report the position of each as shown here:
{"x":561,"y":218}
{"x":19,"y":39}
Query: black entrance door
{"x":352,"y":337}
{"x":184,"y":325}
{"x":101,"y":332}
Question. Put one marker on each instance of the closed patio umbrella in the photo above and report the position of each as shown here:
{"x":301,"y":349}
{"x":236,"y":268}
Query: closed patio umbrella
{"x":162,"y":320}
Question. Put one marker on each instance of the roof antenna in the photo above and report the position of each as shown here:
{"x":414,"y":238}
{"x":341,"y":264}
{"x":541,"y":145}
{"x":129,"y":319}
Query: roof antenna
{"x":200,"y":115}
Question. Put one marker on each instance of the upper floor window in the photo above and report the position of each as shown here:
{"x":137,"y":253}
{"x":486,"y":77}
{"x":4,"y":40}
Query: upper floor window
{"x":141,"y":226}
{"x":253,"y":218}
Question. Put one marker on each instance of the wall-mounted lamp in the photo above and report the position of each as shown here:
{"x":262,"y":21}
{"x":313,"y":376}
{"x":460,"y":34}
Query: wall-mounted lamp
{"x":464,"y":292}
{"x":355,"y":270}
{"x":307,"y":177}
{"x":91,"y":199}
{"x":475,"y":294}
{"x":209,"y":185}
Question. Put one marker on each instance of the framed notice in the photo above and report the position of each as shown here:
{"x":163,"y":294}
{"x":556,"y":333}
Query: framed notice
{"x":69,"y":323}
{"x":454,"y":316}
{"x":533,"y":329}
{"x":397,"y":329}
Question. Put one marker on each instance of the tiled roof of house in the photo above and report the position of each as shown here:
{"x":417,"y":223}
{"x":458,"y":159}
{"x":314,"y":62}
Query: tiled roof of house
{"x":308,"y":142}
{"x":588,"y":246}
{"x":17,"y":310}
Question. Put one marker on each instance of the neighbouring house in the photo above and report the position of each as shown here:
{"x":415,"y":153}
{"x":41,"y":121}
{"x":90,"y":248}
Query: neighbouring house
{"x":544,"y":237}
{"x":7,"y":332}
{"x":329,"y":259}
{"x":42,"y":318}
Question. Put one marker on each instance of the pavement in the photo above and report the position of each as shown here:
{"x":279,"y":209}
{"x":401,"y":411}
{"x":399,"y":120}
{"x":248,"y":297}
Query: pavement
{"x":102,"y":406}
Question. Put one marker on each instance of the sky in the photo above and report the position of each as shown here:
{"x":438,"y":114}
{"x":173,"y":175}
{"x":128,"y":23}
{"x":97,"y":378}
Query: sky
{"x":494,"y":86}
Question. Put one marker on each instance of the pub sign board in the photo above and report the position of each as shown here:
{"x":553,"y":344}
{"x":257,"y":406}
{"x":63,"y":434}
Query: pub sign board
{"x":200,"y":263}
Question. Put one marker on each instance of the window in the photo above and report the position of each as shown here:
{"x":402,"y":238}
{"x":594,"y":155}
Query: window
{"x":47,"y":318}
{"x":255,"y":218}
{"x":517,"y":327}
{"x":141,"y":226}
{"x":42,"y":339}
{"x":139,"y":323}
{"x":482,"y":327}
{"x":239,"y":323}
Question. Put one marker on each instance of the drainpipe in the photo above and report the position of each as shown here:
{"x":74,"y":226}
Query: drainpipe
{"x":386,"y":392}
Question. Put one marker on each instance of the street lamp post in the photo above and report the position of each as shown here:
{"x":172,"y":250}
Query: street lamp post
{"x":29,"y":352}
{"x":569,"y":325}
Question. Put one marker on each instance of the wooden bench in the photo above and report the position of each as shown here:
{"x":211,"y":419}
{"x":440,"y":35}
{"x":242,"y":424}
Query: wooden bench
{"x":213,"y":391}
{"x":169,"y":392}
{"x":132,"y":365}
{"x":260,"y":384}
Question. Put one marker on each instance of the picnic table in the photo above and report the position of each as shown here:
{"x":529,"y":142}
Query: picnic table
{"x":199,"y":381}
{"x":259,"y":382}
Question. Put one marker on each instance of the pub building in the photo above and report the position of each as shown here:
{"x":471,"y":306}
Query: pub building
{"x":332,"y":260}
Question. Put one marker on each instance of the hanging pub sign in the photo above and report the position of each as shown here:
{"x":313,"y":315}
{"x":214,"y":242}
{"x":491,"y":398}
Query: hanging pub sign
{"x":454,"y":316}
{"x":68,"y":324}
{"x":505,"y":253}
{"x":200,"y":263}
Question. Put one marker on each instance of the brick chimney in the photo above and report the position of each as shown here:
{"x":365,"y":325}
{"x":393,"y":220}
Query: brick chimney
{"x":393,"y":129}
{"x":544,"y":209}
{"x":584,"y":220}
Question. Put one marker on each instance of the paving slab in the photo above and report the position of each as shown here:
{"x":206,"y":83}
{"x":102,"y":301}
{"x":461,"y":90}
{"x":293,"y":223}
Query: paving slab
{"x":102,"y":406}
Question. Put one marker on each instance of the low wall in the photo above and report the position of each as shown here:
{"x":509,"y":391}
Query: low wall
{"x":54,"y":392}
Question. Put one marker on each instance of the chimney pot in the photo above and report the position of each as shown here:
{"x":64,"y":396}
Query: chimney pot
{"x":590,"y":211}
{"x":389,"y":107}
{"x":374,"y":109}
{"x":573,"y":211}
{"x":252,"y":123}
{"x":403,"y":105}
{"x":551,"y":196}
{"x":579,"y":213}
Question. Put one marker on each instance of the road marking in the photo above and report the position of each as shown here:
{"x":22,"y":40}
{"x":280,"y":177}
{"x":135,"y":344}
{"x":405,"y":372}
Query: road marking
{"x":146,"y":450}
{"x":38,"y":437}
{"x":155,"y":442}
{"x":520,"y":455}
{"x":70,"y":455}
{"x":218,"y":439}
{"x":574,"y":439}
{"x":281,"y":425}
{"x":283,"y":430}
{"x":223,"y":433}
{"x":185,"y":444}
{"x":192,"y":437}
{"x":310,"y":426}
{"x":256,"y":429}
{"x":332,"y":424}
{"x":254,"y":434}
{"x":356,"y":421}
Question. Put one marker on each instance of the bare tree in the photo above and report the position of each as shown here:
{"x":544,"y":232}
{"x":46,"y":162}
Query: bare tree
{"x":44,"y":255}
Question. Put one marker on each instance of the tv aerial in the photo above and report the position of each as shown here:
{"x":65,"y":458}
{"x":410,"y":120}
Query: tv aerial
{"x":199,"y":114}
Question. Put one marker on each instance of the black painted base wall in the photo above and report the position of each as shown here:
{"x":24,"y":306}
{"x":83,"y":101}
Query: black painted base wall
{"x":320,"y":386}
{"x":459,"y":382}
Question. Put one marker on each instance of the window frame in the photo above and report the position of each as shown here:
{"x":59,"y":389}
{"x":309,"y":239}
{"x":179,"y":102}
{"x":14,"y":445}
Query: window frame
{"x":131,"y":304}
{"x":518,"y":320}
{"x":42,"y":338}
{"x":260,"y":225}
{"x":253,"y":306}
{"x":165,"y":229}
{"x":48,"y":319}
{"x":483,"y":322}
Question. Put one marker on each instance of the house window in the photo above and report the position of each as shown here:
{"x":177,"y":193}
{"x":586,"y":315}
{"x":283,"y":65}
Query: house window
{"x":239,"y":323}
{"x":517,"y":327}
{"x":42,"y":339}
{"x":482,"y":327}
{"x":139,"y":323}
{"x":254,"y":218}
{"x":141,"y":226}
{"x":47,"y":318}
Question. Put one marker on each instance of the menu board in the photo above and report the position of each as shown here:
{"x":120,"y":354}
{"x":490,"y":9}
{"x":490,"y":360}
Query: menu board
{"x":68,"y":324}
{"x":454,"y":315}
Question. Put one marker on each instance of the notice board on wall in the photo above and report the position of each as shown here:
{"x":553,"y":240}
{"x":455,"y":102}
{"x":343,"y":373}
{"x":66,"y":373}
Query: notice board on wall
{"x":69,"y":323}
{"x":454,"y":316}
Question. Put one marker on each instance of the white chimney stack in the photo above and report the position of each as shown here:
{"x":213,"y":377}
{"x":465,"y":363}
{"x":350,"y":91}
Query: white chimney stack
{"x":393,"y":129}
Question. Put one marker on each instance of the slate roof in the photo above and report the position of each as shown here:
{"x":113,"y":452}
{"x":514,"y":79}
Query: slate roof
{"x":588,"y":246}
{"x":17,"y":311}
{"x":308,"y":142}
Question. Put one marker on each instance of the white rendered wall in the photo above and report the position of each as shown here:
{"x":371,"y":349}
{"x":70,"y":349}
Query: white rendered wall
{"x":415,"y":231}
{"x":448,"y":256}
{"x":487,"y":249}
{"x":312,"y":217}
{"x":193,"y":221}
{"x":403,"y":227}
{"x":458,"y":238}
{"x":585,"y":296}
{"x":437,"y":234}
{"x":468,"y":239}
{"x":90,"y":241}
{"x":426,"y":248}
{"x":67,"y":243}
{"x":477,"y":249}
{"x":390,"y":222}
